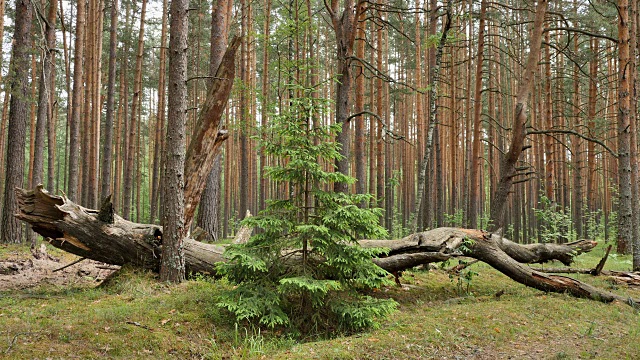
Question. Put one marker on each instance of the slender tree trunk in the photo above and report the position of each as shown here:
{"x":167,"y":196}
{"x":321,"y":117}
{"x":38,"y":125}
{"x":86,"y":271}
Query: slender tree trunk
{"x":591,"y":116}
{"x":359,"y":145}
{"x":137,"y":87}
{"x":549,"y":170}
{"x":266,"y":103}
{"x":208,"y":214}
{"x":160,"y":117}
{"x":380,"y":111}
{"x":433,"y":112}
{"x":635,"y":176}
{"x":11,"y":229}
{"x":576,"y":148}
{"x":107,"y":149}
{"x":476,"y":156}
{"x":172,"y":262}
{"x":67,"y":76}
{"x":625,"y":209}
{"x":510,"y":159}
{"x":74,"y":123}
{"x":44,"y":101}
{"x":244,"y":114}
{"x":344,"y":26}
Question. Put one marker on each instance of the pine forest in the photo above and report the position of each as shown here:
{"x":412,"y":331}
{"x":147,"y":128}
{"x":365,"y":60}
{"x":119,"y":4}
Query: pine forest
{"x":334,"y":131}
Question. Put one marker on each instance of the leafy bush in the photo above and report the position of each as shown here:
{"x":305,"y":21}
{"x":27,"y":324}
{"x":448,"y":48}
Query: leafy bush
{"x":304,"y":269}
{"x":555,"y":222}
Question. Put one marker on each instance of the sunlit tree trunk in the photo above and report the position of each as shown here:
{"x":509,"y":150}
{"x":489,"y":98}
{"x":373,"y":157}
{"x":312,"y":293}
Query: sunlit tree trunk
{"x":45,"y":93}
{"x":476,"y":156}
{"x":76,"y":107}
{"x":11,"y":229}
{"x":208,"y":214}
{"x":172,"y":262}
{"x":625,"y":212}
{"x":107,"y":149}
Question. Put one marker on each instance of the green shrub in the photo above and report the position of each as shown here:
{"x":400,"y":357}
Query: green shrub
{"x":304,"y":269}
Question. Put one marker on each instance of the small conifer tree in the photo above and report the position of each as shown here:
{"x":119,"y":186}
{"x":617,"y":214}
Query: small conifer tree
{"x":304,"y":269}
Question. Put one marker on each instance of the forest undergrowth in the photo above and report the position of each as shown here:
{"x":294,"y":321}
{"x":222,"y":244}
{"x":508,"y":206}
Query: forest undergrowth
{"x":483,"y":315}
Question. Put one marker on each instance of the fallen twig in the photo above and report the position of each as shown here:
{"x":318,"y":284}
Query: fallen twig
{"x":598,"y":269}
{"x":13,"y":341}
{"x":456,"y":269}
{"x":135,"y":323}
{"x":73,"y":263}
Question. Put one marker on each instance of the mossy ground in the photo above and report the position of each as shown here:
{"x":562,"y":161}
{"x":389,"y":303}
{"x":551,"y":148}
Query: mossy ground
{"x":134,"y":316}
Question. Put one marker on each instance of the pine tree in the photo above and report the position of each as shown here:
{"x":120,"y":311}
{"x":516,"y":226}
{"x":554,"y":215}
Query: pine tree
{"x":303,"y":268}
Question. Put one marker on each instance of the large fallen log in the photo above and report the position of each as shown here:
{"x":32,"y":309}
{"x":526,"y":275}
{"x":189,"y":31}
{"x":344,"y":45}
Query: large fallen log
{"x":114,"y":240}
{"x":79,"y":230}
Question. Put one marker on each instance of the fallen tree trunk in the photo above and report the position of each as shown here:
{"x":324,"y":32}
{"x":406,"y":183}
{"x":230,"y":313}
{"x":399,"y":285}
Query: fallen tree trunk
{"x":117,"y":241}
{"x":114,"y":240}
{"x":629,"y":278}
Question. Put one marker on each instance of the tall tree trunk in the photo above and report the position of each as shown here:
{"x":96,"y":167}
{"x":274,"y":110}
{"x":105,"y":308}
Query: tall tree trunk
{"x":577,"y":202}
{"x":510,"y":159}
{"x":266,"y":103}
{"x":344,"y":26}
{"x":549,"y":169}
{"x":137,"y":88}
{"x":433,"y":119}
{"x":67,"y":76}
{"x":380,"y":111}
{"x":208,"y":214}
{"x":172,"y":261}
{"x":11,"y":229}
{"x":359,"y":143}
{"x":107,"y":149}
{"x":76,"y":101}
{"x":476,"y":156}
{"x":625,"y":209}
{"x":635,"y":176}
{"x":160,"y":118}
{"x":244,"y":115}
{"x":591,"y":116}
{"x":45,"y":95}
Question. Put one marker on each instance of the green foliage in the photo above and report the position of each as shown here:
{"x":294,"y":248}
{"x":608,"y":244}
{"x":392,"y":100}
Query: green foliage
{"x":595,"y":224}
{"x":467,"y":244}
{"x":555,"y":222}
{"x":463,"y":281}
{"x":304,"y":269}
{"x":455,"y":220}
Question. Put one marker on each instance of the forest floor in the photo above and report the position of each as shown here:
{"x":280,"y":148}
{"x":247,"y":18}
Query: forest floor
{"x":66,"y":315}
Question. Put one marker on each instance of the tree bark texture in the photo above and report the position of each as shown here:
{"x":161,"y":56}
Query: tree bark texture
{"x":208,"y":213}
{"x":133,"y":121}
{"x":172,"y":267}
{"x":420,"y":208}
{"x":474,"y":192}
{"x":510,"y":159}
{"x":80,"y":231}
{"x":11,"y":231}
{"x":208,"y":135}
{"x":160,"y":118}
{"x":107,"y":149}
{"x":76,"y":100}
{"x":625,"y":210}
{"x":344,"y":26}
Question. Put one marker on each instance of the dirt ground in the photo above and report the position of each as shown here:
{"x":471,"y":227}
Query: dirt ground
{"x":21,"y":270}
